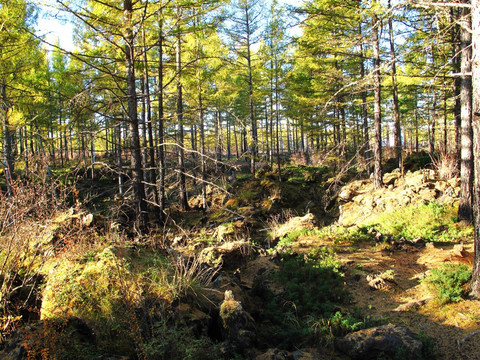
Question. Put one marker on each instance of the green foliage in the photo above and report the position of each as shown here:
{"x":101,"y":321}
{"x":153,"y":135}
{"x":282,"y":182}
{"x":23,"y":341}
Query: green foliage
{"x":431,"y":222}
{"x":177,"y":343}
{"x":313,"y":285}
{"x":430,"y":350}
{"x":447,"y":282}
{"x":303,"y":174}
{"x":107,"y":288}
{"x":342,"y":324}
{"x":340,"y":234}
{"x":290,"y":238}
{"x":98,"y":290}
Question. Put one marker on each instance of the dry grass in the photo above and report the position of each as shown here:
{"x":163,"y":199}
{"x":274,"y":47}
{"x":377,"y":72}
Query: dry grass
{"x":23,"y":218}
{"x":446,"y":165}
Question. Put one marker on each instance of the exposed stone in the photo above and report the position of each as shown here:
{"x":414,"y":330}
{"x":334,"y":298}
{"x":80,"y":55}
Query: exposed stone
{"x":193,"y":318}
{"x":411,"y":305}
{"x":347,"y":194}
{"x":274,"y":354}
{"x":420,"y":187}
{"x":387,"y":340}
{"x":238,"y":326}
{"x":232,"y":254}
{"x":390,"y":178}
{"x":277,"y":354}
{"x":459,"y":254}
{"x":298,"y":222}
{"x":87,"y":220}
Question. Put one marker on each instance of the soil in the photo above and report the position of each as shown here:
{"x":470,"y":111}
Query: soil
{"x":449,"y":325}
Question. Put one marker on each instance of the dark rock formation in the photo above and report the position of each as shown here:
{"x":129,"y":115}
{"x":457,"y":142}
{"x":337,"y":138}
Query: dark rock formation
{"x":387,"y":341}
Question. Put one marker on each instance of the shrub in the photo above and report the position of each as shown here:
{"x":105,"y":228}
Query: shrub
{"x":448,"y":282}
{"x":431,"y":222}
{"x":313,"y":285}
{"x":171,"y":342}
{"x":26,"y":218}
{"x":119,"y":296}
{"x":341,"y":324}
{"x":446,"y":165}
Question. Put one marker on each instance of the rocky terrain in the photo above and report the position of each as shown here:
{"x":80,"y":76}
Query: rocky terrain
{"x":284,"y":286}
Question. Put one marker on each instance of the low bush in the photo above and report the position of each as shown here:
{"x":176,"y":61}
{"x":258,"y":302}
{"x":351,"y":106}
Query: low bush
{"x":431,"y":222}
{"x":170,"y":342}
{"x":448,"y":282}
{"x":118,"y":291}
{"x":312,"y":288}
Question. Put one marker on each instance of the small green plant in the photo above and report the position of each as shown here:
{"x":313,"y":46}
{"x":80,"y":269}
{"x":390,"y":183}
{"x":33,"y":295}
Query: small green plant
{"x":313,"y":286}
{"x":339,"y":325}
{"x":340,"y":234}
{"x":293,"y":236}
{"x":447,"y":282}
{"x":431,"y":222}
{"x":176,"y":343}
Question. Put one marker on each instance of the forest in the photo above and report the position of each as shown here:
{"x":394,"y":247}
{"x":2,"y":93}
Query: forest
{"x":240,"y":179}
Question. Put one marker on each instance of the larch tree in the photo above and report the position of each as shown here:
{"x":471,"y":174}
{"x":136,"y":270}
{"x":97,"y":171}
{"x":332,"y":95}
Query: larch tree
{"x":20,"y":58}
{"x":244,"y":34}
{"x":377,"y":112}
{"x":465,"y":210}
{"x":475,"y":14}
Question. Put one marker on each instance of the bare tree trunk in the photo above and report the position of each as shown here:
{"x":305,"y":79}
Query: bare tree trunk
{"x":7,"y":140}
{"x":236,"y":140}
{"x":181,"y":150}
{"x":397,"y":132}
{"x":229,"y":138}
{"x":136,"y":156}
{"x":151,"y":148}
{"x":121,"y":190}
{"x":475,"y":286}
{"x":161,"y":133}
{"x":366,"y":138}
{"x":202,"y":148}
{"x":277,"y":121}
{"x":218,"y":136}
{"x":253,"y":121}
{"x":465,"y":211}
{"x":378,"y":176}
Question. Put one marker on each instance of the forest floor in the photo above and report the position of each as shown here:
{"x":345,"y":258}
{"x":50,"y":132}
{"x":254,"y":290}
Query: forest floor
{"x":310,"y":259}
{"x":447,"y":324}
{"x":402,"y":297}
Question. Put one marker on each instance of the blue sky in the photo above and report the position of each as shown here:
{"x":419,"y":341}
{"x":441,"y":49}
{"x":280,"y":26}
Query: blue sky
{"x":51,"y":26}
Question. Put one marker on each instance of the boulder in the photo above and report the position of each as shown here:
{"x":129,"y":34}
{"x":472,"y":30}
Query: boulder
{"x":237,"y":324}
{"x":277,"y":354}
{"x":231,"y":254}
{"x":274,"y":354}
{"x":387,"y":341}
{"x":193,"y":318}
{"x":347,"y":194}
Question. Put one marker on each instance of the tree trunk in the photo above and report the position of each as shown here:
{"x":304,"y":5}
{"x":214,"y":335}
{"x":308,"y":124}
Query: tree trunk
{"x":377,"y":176}
{"x":397,"y":132}
{"x":475,"y":11}
{"x":136,"y":155}
{"x":366,"y":138}
{"x":121,"y":190}
{"x":202,"y":148}
{"x":253,"y":121}
{"x":7,"y":140}
{"x":161,"y":133}
{"x":151,"y":148}
{"x":181,"y":149}
{"x":466,"y":165}
{"x":218,"y":133}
